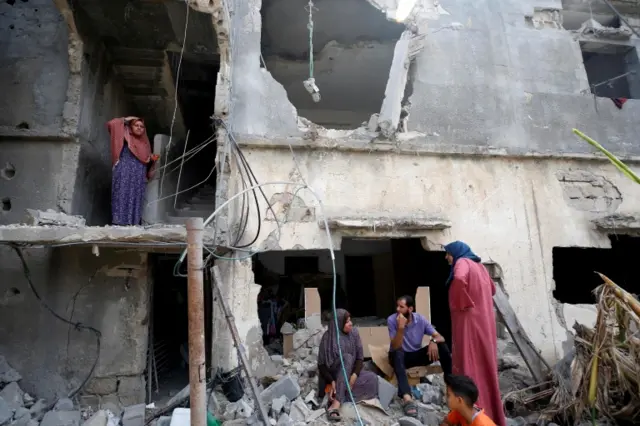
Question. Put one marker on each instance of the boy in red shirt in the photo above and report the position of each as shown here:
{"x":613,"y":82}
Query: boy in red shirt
{"x":462,"y":395}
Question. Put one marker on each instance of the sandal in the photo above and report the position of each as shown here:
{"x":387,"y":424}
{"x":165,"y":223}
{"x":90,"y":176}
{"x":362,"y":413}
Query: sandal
{"x":410,"y":409}
{"x":334,"y":415}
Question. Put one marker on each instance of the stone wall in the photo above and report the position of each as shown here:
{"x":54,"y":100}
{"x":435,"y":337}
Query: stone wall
{"x":52,"y":356}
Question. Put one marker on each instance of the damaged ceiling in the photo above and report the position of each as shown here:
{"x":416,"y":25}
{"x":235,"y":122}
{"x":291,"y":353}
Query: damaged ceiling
{"x":137,"y":35}
{"x":353,"y":42}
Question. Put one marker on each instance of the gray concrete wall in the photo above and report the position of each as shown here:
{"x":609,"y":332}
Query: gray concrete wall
{"x":52,"y":357}
{"x":34,"y":185}
{"x":34,"y":68}
{"x":486,"y":80}
{"x":65,"y":92}
{"x":102,"y":99}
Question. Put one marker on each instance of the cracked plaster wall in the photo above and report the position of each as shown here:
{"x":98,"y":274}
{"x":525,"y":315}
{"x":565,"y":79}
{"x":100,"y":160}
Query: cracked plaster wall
{"x":511,"y":211}
{"x":53,"y":359}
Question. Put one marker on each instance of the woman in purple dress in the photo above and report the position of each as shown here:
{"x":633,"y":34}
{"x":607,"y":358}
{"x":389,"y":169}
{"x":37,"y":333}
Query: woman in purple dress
{"x":363,"y":383}
{"x":132,"y":167}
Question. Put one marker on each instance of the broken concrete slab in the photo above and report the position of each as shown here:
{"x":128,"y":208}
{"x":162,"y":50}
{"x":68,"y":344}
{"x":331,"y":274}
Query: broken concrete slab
{"x":51,"y":217}
{"x":299,"y":411}
{"x":180,"y":417}
{"x":619,"y":223}
{"x":389,"y":224}
{"x":277,"y":404}
{"x":100,"y":418}
{"x":102,"y":386}
{"x":386,"y":392}
{"x":7,"y":373}
{"x":22,"y":413}
{"x":166,"y":234}
{"x":61,"y":418}
{"x":396,"y":84}
{"x":134,"y":415}
{"x":13,"y":395}
{"x":286,"y":386}
{"x":39,"y":409}
{"x":6,"y":413}
{"x":64,"y":404}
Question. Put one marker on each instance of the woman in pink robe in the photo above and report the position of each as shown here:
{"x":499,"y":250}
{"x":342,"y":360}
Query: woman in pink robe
{"x":473,"y":326}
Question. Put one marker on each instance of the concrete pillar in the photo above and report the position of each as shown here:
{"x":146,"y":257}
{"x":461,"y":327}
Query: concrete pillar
{"x":241,"y":294}
{"x":156,"y":211}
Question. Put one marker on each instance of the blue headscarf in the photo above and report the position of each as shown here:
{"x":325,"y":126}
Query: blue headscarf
{"x":459,"y":250}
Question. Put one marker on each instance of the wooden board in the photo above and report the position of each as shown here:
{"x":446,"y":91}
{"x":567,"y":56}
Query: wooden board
{"x":536,"y":364}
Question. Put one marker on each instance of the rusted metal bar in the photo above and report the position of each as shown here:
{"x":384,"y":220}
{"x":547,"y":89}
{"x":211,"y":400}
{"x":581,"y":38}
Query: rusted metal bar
{"x":236,"y":340}
{"x":195,"y":303}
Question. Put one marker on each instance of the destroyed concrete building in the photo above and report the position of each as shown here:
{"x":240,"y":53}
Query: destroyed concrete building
{"x":436,"y":120}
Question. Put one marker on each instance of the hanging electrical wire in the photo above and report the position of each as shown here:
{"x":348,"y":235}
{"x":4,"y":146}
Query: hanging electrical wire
{"x":175,"y":93}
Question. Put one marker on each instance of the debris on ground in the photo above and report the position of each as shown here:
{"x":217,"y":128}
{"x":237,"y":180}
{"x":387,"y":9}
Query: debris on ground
{"x":22,"y":409}
{"x":597,"y":382}
{"x":290,"y":396}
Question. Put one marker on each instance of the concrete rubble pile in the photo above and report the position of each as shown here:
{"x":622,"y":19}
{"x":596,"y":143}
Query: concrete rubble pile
{"x":18,"y":408}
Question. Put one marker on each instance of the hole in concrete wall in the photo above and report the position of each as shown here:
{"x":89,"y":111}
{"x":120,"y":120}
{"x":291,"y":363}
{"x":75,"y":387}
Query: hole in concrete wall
{"x":6,"y":204}
{"x":8,"y":172}
{"x":13,"y":291}
{"x":11,"y":2}
{"x":353,"y":45}
{"x":381,"y":269}
{"x":574,"y":19}
{"x":573,"y":269}
{"x":612,"y":69}
{"x":23,"y":125}
{"x":169,"y":329}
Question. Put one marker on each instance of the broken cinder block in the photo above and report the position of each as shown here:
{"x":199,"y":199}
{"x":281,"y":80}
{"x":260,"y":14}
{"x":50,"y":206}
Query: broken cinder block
{"x":286,"y":386}
{"x":53,"y":218}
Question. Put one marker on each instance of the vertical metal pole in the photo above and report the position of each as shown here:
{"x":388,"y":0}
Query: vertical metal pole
{"x":195,"y":303}
{"x":217,"y":282}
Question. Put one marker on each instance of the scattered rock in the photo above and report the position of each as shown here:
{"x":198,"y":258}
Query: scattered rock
{"x":299,"y":411}
{"x":38,"y":409}
{"x":5,"y":412}
{"x":244,"y":410}
{"x":7,"y":373}
{"x":134,"y":415}
{"x":13,"y":395}
{"x":230,"y":411}
{"x":277,"y":405}
{"x":430,"y":394}
{"x":21,"y":413}
{"x":285,"y":420}
{"x":64,"y":404}
{"x":62,"y":418}
{"x":100,"y":418}
{"x":286,"y":386}
{"x":518,"y":421}
{"x":28,"y":400}
{"x":409,"y":421}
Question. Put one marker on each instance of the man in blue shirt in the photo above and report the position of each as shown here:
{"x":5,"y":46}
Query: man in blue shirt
{"x":406,"y":330}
